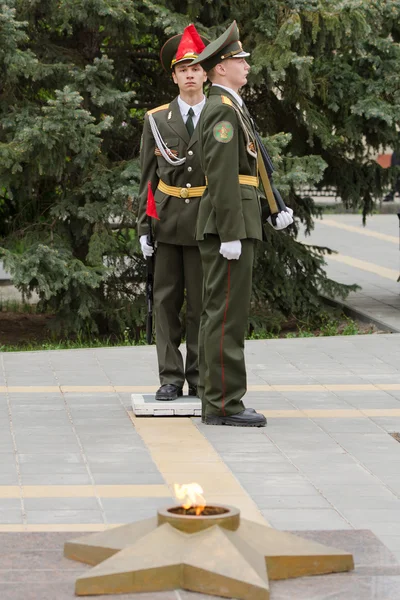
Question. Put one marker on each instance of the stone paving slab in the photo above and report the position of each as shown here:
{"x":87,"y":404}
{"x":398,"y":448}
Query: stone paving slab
{"x":32,"y":566}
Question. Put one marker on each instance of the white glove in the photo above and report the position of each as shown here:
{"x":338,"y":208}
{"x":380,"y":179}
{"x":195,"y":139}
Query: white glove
{"x":284,"y":219}
{"x":231,"y":250}
{"x":146,"y":249}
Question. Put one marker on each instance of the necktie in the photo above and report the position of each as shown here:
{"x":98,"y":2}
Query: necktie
{"x":189,"y":122}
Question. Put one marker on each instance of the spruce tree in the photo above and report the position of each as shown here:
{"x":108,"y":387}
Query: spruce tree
{"x":68,"y":169}
{"x":77,"y":78}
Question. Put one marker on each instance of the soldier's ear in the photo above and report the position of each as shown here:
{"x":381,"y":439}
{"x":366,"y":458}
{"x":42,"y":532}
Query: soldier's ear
{"x":174,"y":77}
{"x":220,"y":68}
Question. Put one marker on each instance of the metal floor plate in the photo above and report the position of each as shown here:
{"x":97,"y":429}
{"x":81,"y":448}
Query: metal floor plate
{"x":145,"y":405}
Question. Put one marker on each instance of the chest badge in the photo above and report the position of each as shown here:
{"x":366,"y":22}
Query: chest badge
{"x":169,"y":115}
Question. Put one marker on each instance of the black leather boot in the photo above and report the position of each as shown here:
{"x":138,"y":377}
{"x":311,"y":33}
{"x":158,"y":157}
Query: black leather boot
{"x":203,"y":420}
{"x":168,"y":391}
{"x":247,"y":418}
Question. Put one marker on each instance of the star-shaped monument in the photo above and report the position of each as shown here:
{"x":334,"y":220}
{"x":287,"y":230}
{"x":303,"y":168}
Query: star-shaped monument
{"x":233,"y":558}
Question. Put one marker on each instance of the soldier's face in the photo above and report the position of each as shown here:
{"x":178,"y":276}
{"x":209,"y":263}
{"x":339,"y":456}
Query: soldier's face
{"x":235,"y":72}
{"x":189,"y":79}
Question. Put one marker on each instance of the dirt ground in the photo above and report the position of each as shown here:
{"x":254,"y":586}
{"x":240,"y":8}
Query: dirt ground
{"x":19,"y":328}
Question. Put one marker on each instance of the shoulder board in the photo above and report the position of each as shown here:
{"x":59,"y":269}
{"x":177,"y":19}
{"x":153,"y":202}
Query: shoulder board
{"x":226,"y":100}
{"x":154,"y":110}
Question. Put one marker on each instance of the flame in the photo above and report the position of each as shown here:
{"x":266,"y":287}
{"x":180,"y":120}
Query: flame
{"x":191,"y":496}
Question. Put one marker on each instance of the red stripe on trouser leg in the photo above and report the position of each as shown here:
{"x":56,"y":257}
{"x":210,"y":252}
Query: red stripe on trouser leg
{"x":221,"y":347}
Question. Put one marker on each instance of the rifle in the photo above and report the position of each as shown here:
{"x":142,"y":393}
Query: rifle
{"x":151,"y":212}
{"x":149,"y":285}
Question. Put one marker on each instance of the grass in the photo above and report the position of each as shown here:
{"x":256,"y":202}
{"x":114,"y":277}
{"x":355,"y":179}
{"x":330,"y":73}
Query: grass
{"x":329,"y":327}
{"x":68,"y":345}
{"x":73,"y":344}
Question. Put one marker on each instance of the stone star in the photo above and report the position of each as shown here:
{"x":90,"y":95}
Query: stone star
{"x":147,"y":557}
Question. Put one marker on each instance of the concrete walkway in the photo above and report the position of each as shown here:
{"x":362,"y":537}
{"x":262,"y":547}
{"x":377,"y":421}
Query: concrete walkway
{"x":368,"y":256}
{"x":73,"y":458}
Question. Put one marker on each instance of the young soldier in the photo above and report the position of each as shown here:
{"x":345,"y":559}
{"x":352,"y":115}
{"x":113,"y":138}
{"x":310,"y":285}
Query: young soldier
{"x":229,"y":221}
{"x":170,"y":162}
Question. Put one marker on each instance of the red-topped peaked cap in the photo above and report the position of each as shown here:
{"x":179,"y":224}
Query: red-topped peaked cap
{"x":190,"y":46}
{"x":185,"y":46}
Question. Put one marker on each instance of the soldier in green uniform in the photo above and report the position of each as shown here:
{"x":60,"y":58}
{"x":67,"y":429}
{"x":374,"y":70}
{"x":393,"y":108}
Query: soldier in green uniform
{"x":229,"y":221}
{"x":170,"y":162}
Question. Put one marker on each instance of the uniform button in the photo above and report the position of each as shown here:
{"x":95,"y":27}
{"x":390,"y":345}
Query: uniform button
{"x":190,"y":152}
{"x":187,"y":200}
{"x":188,"y":185}
{"x":190,"y":169}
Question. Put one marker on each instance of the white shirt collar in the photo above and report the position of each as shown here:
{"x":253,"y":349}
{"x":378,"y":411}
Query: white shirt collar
{"x":184,"y":107}
{"x":232,"y":92}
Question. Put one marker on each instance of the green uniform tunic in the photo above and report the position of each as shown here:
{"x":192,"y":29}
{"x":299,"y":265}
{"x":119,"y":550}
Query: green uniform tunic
{"x":228,"y":211}
{"x":178,"y":264}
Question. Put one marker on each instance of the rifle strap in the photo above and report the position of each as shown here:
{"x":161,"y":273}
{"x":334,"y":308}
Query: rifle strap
{"x":266,"y":184}
{"x":260,"y":163}
{"x":250,"y":140}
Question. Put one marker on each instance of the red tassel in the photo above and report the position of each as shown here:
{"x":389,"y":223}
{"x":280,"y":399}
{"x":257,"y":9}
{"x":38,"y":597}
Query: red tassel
{"x":151,"y":210}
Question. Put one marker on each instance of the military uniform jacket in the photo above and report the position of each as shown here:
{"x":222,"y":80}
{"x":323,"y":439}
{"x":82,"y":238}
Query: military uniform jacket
{"x":228,"y":209}
{"x":177,"y":224}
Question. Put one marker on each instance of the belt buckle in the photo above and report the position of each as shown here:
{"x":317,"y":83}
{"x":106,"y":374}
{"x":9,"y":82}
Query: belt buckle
{"x":184,"y":193}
